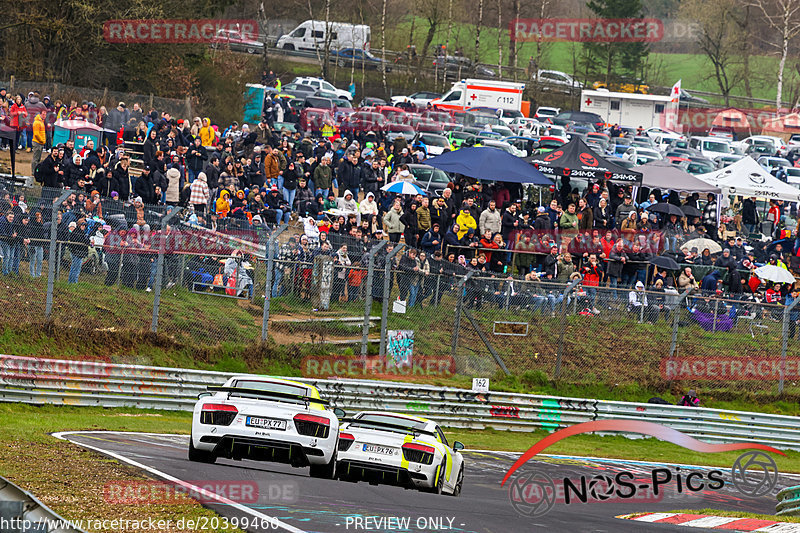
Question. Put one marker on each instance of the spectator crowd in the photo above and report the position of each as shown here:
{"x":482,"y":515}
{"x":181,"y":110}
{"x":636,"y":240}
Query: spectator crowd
{"x":331,"y":190}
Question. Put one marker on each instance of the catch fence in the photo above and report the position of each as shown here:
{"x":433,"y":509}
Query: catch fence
{"x":345,"y":295}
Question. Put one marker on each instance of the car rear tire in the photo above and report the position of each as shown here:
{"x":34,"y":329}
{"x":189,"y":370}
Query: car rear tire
{"x":341,"y":63}
{"x":459,"y":483}
{"x":251,"y":50}
{"x":200,"y":456}
{"x":439,"y":483}
{"x":326,"y":471}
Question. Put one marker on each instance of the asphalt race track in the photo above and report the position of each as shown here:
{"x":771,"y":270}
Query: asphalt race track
{"x":311,"y":505}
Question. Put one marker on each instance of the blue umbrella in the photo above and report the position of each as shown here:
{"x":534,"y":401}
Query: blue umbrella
{"x":403,"y":187}
{"x":487,"y":163}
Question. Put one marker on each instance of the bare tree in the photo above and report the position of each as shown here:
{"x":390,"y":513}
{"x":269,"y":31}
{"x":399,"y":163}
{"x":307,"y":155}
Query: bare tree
{"x":447,"y":38}
{"x":383,"y":48}
{"x":718,"y":40}
{"x":499,"y":38}
{"x":478,"y":31}
{"x":513,"y":48}
{"x":783,"y":16}
{"x":434,"y":13}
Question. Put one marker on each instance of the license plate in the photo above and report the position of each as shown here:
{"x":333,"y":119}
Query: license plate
{"x":266,"y":423}
{"x":381,"y":450}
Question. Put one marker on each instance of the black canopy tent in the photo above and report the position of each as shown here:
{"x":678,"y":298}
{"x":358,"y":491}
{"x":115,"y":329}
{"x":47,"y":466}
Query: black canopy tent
{"x":576,"y":160}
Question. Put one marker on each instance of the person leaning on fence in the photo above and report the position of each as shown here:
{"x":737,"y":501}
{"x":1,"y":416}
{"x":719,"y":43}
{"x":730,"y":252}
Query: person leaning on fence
{"x":689,"y":399}
{"x":639,"y":305}
{"x":686,"y":280}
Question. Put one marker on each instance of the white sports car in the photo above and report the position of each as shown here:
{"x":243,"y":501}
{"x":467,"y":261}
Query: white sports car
{"x":399,"y":449}
{"x":266,"y":419}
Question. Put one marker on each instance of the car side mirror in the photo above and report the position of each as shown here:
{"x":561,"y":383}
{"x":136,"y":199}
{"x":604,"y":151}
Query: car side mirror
{"x":458,"y":446}
{"x":339,"y":413}
{"x":203,"y":395}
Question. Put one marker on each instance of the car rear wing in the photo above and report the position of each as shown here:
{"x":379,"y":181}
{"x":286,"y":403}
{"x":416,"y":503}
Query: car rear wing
{"x":389,"y":425}
{"x":266,"y":393}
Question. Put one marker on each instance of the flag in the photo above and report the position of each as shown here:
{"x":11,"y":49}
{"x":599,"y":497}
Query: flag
{"x":675,"y":93}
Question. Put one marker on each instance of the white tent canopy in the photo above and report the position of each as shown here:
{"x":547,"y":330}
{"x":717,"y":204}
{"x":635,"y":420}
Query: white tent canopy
{"x":748,"y":178}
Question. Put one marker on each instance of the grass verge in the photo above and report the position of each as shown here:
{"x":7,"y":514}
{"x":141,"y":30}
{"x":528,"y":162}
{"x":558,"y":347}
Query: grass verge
{"x":70,"y":479}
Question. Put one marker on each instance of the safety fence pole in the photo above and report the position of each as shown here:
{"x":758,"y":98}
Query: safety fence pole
{"x":459,"y":304}
{"x":53,"y":257}
{"x":387,"y":284}
{"x":560,"y":351}
{"x":368,"y":296}
{"x":268,"y":283}
{"x":162,"y":245}
{"x":785,"y":341}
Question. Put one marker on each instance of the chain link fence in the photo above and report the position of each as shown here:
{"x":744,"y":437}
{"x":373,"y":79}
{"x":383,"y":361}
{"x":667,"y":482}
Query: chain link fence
{"x":101,"y":97}
{"x":149,"y":269}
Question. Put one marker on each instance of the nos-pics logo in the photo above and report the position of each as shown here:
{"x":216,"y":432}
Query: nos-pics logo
{"x":534,"y":493}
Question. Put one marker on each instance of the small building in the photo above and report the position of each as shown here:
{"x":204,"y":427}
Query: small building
{"x":626,"y":109}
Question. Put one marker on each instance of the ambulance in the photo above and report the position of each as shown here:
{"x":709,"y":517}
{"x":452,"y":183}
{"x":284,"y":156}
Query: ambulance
{"x":469,"y":93}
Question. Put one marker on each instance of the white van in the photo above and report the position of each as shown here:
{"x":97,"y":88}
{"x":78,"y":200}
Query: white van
{"x":711,"y":147}
{"x":311,"y":35}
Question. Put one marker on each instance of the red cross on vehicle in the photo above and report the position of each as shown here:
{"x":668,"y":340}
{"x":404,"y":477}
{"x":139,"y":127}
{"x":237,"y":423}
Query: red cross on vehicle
{"x":474,"y":97}
{"x":588,"y":101}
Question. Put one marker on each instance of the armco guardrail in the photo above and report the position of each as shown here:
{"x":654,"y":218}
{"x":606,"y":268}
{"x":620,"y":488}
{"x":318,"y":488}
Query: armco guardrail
{"x":20,"y":506}
{"x":50,"y":381}
{"x":788,"y":502}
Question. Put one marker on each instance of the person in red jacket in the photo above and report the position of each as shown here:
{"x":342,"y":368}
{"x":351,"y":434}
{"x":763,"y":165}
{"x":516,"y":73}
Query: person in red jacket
{"x":592,"y":275}
{"x":19,"y":120}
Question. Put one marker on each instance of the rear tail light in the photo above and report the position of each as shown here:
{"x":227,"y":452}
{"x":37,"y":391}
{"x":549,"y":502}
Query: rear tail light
{"x":418,"y":453}
{"x":218,"y":414}
{"x":345,"y":441}
{"x":312,"y":425}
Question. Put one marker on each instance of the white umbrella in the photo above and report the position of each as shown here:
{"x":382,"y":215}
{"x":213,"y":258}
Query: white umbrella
{"x":774,"y":273}
{"x":403,"y":187}
{"x":702,"y":243}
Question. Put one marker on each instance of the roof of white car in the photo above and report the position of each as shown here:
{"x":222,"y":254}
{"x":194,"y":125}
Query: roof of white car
{"x":396,"y":415}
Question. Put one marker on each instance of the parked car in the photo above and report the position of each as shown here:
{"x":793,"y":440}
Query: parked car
{"x":368,"y":101}
{"x":459,"y":67}
{"x":579,"y":117}
{"x":710,"y":147}
{"x":419,"y":99}
{"x":233,"y":39}
{"x":429,"y":179}
{"x":557,"y":80}
{"x":546,"y":112}
{"x":347,"y":56}
{"x":319,"y":83}
{"x":505,"y":146}
{"x":314,"y":119}
{"x":433,"y":143}
{"x":363,"y":122}
{"x":460,"y":138}
{"x":298,"y":89}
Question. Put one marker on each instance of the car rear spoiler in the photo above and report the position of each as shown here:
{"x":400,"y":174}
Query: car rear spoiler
{"x":390,"y":426}
{"x":259,"y":392}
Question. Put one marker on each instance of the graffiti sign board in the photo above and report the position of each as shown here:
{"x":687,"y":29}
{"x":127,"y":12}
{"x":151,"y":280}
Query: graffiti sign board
{"x":399,"y":346}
